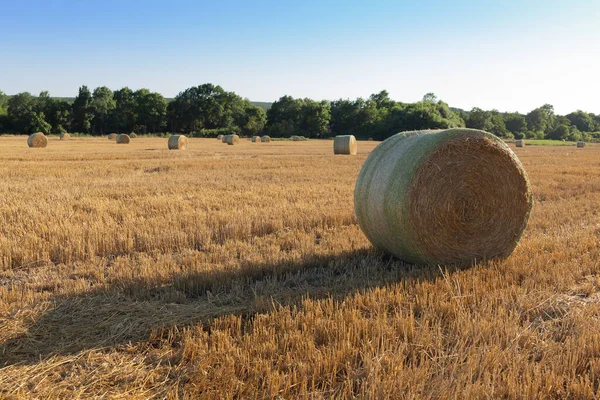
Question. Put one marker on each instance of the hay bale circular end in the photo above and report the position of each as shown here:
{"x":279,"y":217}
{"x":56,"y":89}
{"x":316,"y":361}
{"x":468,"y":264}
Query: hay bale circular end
{"x":520,"y":143}
{"x":123,"y":138}
{"x":256,"y":139}
{"x":443,"y":197}
{"x":265,"y":139}
{"x":37,"y":139}
{"x":580,"y":144}
{"x":112,"y":136}
{"x":345,"y":144}
{"x":178,"y":142}
{"x":65,"y":136}
{"x":232,"y":139}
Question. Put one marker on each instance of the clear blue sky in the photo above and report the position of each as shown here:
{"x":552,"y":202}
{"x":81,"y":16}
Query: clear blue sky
{"x":505,"y":54}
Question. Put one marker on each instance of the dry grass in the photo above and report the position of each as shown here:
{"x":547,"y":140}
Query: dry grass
{"x":259,"y":284}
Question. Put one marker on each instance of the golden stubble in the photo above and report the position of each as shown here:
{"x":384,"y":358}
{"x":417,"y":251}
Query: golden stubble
{"x":240,"y":272}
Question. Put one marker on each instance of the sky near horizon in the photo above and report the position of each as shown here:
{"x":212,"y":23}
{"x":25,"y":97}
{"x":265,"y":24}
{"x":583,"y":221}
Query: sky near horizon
{"x":508,"y":55}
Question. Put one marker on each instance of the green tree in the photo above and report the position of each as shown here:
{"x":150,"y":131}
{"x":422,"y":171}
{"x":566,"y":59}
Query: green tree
{"x":582,"y":120}
{"x":37,"y":123}
{"x":561,"y":132}
{"x":542,"y":119}
{"x":479,"y":119}
{"x":284,"y":116}
{"x":20,"y":112}
{"x":354,"y":117}
{"x":102,"y":104}
{"x":202,"y":107}
{"x":251,"y":119}
{"x":82,"y":111}
{"x":124,"y":116}
{"x":430,"y":97}
{"x":151,"y":109}
{"x":516,"y":124}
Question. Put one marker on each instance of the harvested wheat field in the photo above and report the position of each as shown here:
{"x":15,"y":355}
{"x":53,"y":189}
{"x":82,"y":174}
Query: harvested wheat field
{"x":241,"y":272}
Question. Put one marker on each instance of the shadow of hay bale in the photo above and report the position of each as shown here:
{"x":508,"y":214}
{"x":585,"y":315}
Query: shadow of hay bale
{"x":130,"y":312}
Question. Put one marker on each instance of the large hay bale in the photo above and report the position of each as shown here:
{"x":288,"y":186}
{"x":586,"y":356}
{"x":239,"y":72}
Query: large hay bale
{"x":345,"y":144}
{"x":112,"y":136}
{"x":520,"y":143}
{"x":132,"y":135}
{"x":224,"y":139}
{"x":123,"y":138}
{"x":256,"y":139}
{"x":296,"y":138}
{"x":37,"y":139}
{"x":65,"y":136}
{"x":580,"y":144}
{"x":178,"y":142}
{"x":232,"y":139}
{"x":443,"y":197}
{"x":265,"y":139}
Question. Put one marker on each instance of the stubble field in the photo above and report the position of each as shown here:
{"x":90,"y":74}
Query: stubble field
{"x":132,"y":271}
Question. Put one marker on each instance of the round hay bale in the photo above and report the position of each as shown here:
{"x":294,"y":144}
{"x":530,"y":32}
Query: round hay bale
{"x":220,"y":137}
{"x":580,"y":144}
{"x":520,"y":143}
{"x":37,"y":139}
{"x":256,"y":139}
{"x":296,"y":138}
{"x":345,"y":144}
{"x":232,"y":139}
{"x":443,"y":197}
{"x":112,"y":136}
{"x":65,"y":136}
{"x":132,"y":135}
{"x":178,"y":142}
{"x":265,"y":139}
{"x":123,"y":138}
{"x":224,"y":139}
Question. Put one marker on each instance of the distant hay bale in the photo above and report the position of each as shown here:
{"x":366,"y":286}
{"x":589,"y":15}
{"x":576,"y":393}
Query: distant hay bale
{"x":232,"y":139}
{"x":178,"y":142}
{"x":37,"y":140}
{"x":265,"y":139}
{"x":112,"y":136}
{"x":65,"y":136}
{"x":255,"y":139}
{"x":123,"y":138}
{"x":520,"y":143}
{"x":345,"y":144}
{"x":443,"y":197}
{"x":220,"y":137}
{"x":132,"y":135}
{"x":580,"y":144}
{"x":370,"y":139}
{"x":224,"y":138}
{"x":296,"y":138}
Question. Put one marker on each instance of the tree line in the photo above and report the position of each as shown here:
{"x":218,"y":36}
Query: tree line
{"x":208,"y":110}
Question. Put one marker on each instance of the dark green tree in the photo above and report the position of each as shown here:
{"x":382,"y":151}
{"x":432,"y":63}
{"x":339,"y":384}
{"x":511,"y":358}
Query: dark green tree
{"x":516,"y":124}
{"x":151,"y":109}
{"x":124,"y":116}
{"x":82,"y":111}
{"x":582,"y":120}
{"x":102,"y":104}
{"x":20,"y":110}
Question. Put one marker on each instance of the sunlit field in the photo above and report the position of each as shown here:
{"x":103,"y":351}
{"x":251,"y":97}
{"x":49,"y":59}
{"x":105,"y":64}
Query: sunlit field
{"x":132,"y":271}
